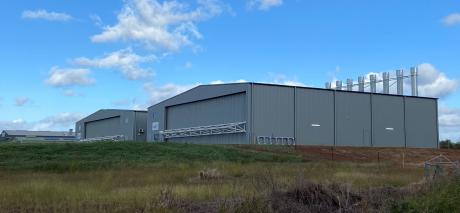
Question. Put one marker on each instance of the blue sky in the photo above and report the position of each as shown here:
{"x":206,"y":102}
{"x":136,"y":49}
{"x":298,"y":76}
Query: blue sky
{"x":62,"y":60}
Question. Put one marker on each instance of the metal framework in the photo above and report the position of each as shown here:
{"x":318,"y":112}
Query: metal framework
{"x":105,"y":138}
{"x":266,"y":140}
{"x":219,"y":129}
{"x":440,"y":166}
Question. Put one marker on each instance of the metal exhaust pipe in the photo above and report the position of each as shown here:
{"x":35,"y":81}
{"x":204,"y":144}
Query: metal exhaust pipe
{"x":414,"y":80}
{"x":350,"y":84}
{"x":338,"y":85}
{"x":373,"y":79}
{"x":361,"y":83}
{"x":386,"y":83}
{"x":400,"y":82}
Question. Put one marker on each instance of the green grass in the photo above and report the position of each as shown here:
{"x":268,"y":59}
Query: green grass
{"x":440,"y":196}
{"x":61,"y":157}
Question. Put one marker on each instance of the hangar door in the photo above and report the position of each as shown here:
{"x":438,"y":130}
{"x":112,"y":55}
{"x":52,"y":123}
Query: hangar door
{"x":353,"y":119}
{"x":219,"y":110}
{"x":104,"y":127}
{"x":388,"y":121}
{"x":421,"y":122}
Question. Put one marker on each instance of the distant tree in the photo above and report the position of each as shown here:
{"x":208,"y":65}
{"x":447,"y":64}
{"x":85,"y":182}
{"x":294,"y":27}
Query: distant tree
{"x":448,"y":144}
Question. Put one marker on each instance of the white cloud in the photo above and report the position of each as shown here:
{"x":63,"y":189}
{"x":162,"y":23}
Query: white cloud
{"x":223,"y":82}
{"x":169,"y":25}
{"x":434,"y":83}
{"x":449,"y":123}
{"x":43,"y":14}
{"x":22,"y":101}
{"x":264,"y":4}
{"x":157,"y":94}
{"x":284,"y":80}
{"x":241,"y":81}
{"x":274,"y":79}
{"x":138,"y":107}
{"x":449,"y":117}
{"x":217,"y":82}
{"x":17,"y":124}
{"x":127,"y":62}
{"x":63,"y":121}
{"x":129,"y":103}
{"x":452,"y":19}
{"x":62,"y":77}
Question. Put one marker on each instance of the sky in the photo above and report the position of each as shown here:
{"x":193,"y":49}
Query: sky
{"x":63,"y":60}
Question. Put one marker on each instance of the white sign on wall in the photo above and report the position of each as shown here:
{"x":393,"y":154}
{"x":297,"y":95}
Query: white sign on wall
{"x":155,"y":126}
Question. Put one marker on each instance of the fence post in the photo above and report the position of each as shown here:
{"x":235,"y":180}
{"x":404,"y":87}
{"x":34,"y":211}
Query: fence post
{"x":403,"y":159}
{"x":332,"y":153}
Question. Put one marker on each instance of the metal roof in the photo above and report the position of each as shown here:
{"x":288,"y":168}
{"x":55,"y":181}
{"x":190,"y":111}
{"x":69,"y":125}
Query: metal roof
{"x":108,"y":113}
{"x":39,"y":133}
{"x":281,"y":85}
{"x":124,"y":110}
{"x":377,"y":93}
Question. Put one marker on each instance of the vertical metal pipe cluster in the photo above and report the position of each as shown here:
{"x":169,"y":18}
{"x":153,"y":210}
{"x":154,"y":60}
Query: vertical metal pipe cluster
{"x":386,"y":82}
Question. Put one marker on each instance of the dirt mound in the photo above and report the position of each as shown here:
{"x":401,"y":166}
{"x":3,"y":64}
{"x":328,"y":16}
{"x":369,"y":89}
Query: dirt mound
{"x":313,"y":197}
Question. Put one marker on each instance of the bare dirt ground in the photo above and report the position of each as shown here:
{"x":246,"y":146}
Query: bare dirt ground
{"x":406,"y":156}
{"x":410,"y":156}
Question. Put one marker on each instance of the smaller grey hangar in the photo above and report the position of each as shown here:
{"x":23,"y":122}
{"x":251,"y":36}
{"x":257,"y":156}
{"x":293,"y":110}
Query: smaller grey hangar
{"x":113,"y":124}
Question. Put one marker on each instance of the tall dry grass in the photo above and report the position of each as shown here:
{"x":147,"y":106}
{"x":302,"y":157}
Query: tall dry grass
{"x":140,"y":177}
{"x":141,"y":188}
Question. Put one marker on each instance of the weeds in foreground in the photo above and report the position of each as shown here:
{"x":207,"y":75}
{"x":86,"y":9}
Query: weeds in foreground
{"x":439,"y":196}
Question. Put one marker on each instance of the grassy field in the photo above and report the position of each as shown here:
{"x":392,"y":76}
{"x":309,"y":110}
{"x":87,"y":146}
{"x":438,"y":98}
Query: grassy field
{"x":141,"y":177}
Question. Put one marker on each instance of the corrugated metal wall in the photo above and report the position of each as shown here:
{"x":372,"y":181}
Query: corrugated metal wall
{"x":314,"y":117}
{"x":353,"y":119}
{"x":388,"y":121}
{"x":220,"y":110}
{"x":421,"y":122}
{"x":273,"y":111}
